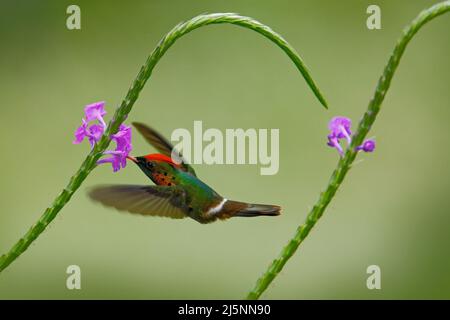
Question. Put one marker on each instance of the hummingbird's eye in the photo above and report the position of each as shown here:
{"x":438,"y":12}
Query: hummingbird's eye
{"x":150,"y":165}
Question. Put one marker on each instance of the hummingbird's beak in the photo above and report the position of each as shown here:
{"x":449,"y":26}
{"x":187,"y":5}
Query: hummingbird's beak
{"x":132,"y":159}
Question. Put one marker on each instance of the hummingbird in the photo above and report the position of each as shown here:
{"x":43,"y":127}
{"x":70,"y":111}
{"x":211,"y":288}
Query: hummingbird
{"x":178,"y":192}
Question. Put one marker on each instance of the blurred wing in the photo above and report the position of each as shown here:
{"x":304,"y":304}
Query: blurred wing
{"x":160,"y":143}
{"x":145,"y":200}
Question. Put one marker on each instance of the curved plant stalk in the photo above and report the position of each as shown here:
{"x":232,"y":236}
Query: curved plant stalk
{"x":124,"y":109}
{"x":345,"y":162}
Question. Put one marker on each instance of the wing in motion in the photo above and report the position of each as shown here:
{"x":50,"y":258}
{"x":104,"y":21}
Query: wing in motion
{"x":145,"y":200}
{"x":161,"y":144}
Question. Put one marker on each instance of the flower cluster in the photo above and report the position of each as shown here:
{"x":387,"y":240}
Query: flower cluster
{"x":93,"y":132}
{"x":340,"y":128}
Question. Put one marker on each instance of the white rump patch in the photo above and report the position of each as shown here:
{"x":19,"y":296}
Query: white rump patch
{"x":217,"y":208}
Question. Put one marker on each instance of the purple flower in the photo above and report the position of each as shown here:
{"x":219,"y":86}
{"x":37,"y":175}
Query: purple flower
{"x":123,"y":138}
{"x":92,"y":112}
{"x":81,"y":132}
{"x":95,"y":111}
{"x":117,"y":159}
{"x":334,"y":143}
{"x":119,"y":156}
{"x":94,"y":132}
{"x":340,"y":128}
{"x":367,"y":146}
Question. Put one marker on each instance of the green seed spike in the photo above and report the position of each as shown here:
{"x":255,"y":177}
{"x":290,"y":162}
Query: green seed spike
{"x":345,"y":163}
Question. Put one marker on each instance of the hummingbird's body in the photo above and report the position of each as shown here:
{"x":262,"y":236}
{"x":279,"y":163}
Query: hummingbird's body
{"x":178,"y":192}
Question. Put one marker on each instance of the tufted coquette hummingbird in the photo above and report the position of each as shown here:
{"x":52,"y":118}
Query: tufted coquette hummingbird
{"x":178,"y":192}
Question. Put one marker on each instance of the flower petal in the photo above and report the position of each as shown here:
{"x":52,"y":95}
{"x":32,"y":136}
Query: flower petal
{"x":95,"y":111}
{"x":333,"y":142}
{"x":81,"y":132}
{"x":340,"y":127}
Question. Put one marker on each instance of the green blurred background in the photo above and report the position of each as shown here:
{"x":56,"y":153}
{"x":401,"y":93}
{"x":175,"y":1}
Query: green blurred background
{"x":393,"y":210}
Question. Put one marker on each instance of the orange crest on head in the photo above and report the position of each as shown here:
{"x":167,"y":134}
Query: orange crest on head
{"x":160,"y":157}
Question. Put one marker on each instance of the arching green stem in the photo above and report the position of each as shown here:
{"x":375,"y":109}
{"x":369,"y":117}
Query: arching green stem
{"x":133,"y":93}
{"x":345,"y":163}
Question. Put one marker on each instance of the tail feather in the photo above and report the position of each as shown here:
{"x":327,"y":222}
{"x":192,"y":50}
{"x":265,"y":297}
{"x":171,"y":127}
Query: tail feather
{"x":241,"y":209}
